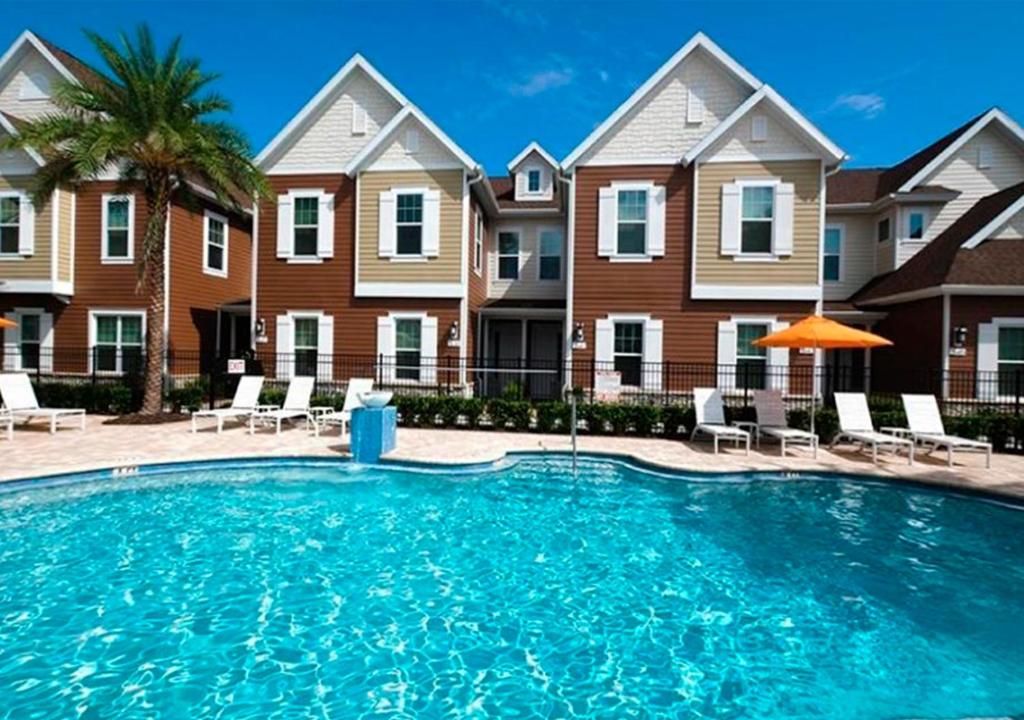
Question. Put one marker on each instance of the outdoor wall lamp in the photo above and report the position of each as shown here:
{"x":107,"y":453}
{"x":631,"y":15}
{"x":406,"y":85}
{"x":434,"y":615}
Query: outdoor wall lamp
{"x":960,"y":336}
{"x":453,"y":332}
{"x":578,"y":337}
{"x":261,"y":327}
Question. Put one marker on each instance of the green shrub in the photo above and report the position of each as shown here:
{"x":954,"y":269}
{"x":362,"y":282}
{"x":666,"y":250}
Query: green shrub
{"x":509,"y":414}
{"x":108,"y":398}
{"x":188,"y":397}
{"x":553,"y":416}
{"x":473,"y":409}
{"x":272,"y":396}
{"x":826,"y":422}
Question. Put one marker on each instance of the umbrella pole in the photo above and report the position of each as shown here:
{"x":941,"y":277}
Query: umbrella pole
{"x":814,"y":384}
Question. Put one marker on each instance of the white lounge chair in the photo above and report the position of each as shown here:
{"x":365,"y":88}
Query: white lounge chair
{"x":296,"y":405}
{"x":707,"y":403}
{"x":925,"y":422}
{"x":855,"y":425}
{"x":7,"y":421}
{"x":343,"y":417}
{"x":771,"y":421}
{"x":247,"y":397}
{"x":20,"y":400}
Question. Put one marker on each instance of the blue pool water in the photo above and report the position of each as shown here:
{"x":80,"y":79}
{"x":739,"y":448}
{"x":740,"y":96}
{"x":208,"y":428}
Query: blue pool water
{"x":330,"y":591}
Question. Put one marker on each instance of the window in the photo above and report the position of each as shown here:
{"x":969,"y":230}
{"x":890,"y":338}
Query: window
{"x":628,"y":351}
{"x":409,"y":224}
{"x":759,"y":128}
{"x":10,"y":225}
{"x":31,"y":341}
{"x":508,"y":255}
{"x":408,"y":335}
{"x":1011,"y":360}
{"x":751,"y":360}
{"x":550,"y":255}
{"x":307,"y":334}
{"x":118,"y":224}
{"x":305,"y":225}
{"x":533,"y":181}
{"x":118,"y":343}
{"x":915,"y":225}
{"x":757,"y":216}
{"x":478,"y":244}
{"x":883,"y":230}
{"x":632,"y":222}
{"x":833,"y":253}
{"x":215,"y":246}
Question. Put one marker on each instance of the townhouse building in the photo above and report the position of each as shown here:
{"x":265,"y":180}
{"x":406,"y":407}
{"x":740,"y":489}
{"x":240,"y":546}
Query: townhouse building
{"x":69,"y":269}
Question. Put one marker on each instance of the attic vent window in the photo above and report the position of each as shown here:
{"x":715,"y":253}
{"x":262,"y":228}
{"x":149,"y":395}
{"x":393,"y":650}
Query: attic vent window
{"x":358,"y":120}
{"x":412,"y":141}
{"x":695,"y":105}
{"x":759,"y":128}
{"x":984,"y":156}
{"x":34,"y":86}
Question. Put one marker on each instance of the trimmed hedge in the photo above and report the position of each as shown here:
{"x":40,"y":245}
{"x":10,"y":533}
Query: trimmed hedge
{"x":107,"y":398}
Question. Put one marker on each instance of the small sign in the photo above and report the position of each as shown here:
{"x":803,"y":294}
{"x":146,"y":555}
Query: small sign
{"x":806,"y":351}
{"x":236,"y":367}
{"x":579,"y":345}
{"x":607,"y":385}
{"x":957,"y":351}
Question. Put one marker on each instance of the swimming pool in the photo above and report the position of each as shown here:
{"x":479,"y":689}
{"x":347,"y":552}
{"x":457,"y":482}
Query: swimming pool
{"x":321,"y":589}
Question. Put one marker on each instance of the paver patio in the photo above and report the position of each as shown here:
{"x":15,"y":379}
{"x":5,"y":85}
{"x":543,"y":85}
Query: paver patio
{"x":35,"y":452}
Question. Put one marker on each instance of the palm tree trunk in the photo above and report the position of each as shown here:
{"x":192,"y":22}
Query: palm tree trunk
{"x":154,"y":250}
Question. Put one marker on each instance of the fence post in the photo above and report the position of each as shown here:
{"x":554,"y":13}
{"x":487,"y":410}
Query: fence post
{"x":1016,"y":392}
{"x":380,"y":368}
{"x":448,"y":374}
{"x":593,"y":377}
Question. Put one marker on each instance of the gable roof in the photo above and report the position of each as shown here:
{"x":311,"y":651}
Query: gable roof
{"x":69,"y":66}
{"x":504,"y":189}
{"x":356,"y":62}
{"x":370,"y":149}
{"x":767,"y":94}
{"x":951,"y":258}
{"x":534,"y":146}
{"x":698,"y":41}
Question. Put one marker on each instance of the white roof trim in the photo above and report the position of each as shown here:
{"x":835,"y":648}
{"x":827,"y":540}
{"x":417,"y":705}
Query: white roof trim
{"x":767,"y":93}
{"x":534,"y":146}
{"x":994,"y":224}
{"x":13,"y":131}
{"x":942,"y":157}
{"x":370,"y":149}
{"x":700,"y":40}
{"x":30,"y":38}
{"x":356,"y":61}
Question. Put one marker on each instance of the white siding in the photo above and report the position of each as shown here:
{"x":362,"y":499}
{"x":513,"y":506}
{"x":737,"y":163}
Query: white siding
{"x":528,"y":286}
{"x":781,"y":141}
{"x":430,"y":155}
{"x":1013,"y":230}
{"x":657,"y":128}
{"x":328,"y":141}
{"x":30,"y":63}
{"x":858,"y":254}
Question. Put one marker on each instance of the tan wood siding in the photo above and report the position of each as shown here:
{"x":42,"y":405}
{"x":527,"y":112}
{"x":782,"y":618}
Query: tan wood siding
{"x":37,"y":265}
{"x":800,"y":268}
{"x":447,"y":266}
{"x":65,"y":253}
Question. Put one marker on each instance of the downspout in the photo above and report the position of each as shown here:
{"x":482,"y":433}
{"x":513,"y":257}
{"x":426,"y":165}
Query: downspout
{"x":254,"y":271}
{"x":570,"y":246}
{"x":467,"y":352}
{"x":819,"y":356}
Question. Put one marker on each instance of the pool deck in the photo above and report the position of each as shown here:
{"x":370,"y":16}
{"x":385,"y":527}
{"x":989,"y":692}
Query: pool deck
{"x":34,"y":452}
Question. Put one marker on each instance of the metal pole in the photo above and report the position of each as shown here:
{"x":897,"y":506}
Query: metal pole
{"x":573,"y":432}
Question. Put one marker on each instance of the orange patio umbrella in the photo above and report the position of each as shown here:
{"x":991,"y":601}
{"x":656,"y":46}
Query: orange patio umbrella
{"x":5,"y":323}
{"x":820,"y":333}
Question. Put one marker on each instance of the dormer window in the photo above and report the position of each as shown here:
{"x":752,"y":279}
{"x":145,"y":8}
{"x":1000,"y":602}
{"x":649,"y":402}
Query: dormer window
{"x":533,"y":181}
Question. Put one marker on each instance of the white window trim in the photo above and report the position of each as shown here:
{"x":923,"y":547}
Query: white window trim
{"x":407,"y":315}
{"x":841,"y":227}
{"x":478,"y":243}
{"x":22,"y":197}
{"x":209,"y":215}
{"x":1000,"y":323}
{"x":648,"y":187}
{"x":561,"y":253}
{"x":295,"y":258}
{"x":105,"y":257}
{"x":518,"y":232}
{"x":105,"y":312}
{"x":769,"y":256}
{"x":45,"y":341}
{"x":905,"y":229}
{"x":419,"y":257}
{"x":625,"y":320}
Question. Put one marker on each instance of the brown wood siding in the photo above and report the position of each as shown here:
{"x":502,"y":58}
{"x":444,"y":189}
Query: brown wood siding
{"x":660,"y":287}
{"x":328,"y":286}
{"x":916,"y":330}
{"x":195,"y":295}
{"x":800,"y":268}
{"x":970,"y":311}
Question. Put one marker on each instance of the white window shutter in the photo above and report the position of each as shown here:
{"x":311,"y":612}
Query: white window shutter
{"x":988,"y":361}
{"x":325,"y":227}
{"x":695,"y":104}
{"x":285,"y":241}
{"x":386,"y":224}
{"x":656,"y":222}
{"x":26,"y":226}
{"x":386,"y":348}
{"x":46,"y":342}
{"x":325,"y":347}
{"x":604,"y":344}
{"x":782,"y":226}
{"x":521,"y":185}
{"x":778,"y":362}
{"x":428,"y":351}
{"x":358,"y":120}
{"x":546,"y":181}
{"x":731,"y":199}
{"x":651,"y":372}
{"x":432,"y":223}
{"x":607,"y":221}
{"x":285,"y":347}
{"x":12,"y":344}
{"x":726,"y":358}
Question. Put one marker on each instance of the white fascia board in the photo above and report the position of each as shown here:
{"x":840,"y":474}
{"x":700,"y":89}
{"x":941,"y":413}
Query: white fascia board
{"x":756,"y":292}
{"x":994,"y":114}
{"x":9,"y":128}
{"x":534,"y":146}
{"x":997,"y":222}
{"x":27,"y":37}
{"x":700,"y":40}
{"x":409,"y":289}
{"x":357,"y":61}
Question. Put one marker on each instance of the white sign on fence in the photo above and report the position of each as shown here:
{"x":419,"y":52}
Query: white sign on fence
{"x":236,"y":367}
{"x":607,"y":385}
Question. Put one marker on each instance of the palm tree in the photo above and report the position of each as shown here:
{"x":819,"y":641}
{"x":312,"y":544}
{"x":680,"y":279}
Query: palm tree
{"x":154,"y":119}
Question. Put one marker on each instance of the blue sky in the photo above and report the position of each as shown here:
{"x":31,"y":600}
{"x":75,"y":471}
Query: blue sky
{"x":882,"y":80}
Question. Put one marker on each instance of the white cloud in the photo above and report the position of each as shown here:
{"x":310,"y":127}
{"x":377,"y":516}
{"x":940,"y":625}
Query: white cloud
{"x":870,"y":105}
{"x":541,"y":81}
{"x":603,"y":74}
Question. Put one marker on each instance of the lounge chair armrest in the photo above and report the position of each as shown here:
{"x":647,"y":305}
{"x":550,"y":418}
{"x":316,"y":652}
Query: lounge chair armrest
{"x":899,"y":432}
{"x":320,"y":410}
{"x":265,"y":408}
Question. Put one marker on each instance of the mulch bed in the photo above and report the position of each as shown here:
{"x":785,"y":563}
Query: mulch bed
{"x":140,"y":419}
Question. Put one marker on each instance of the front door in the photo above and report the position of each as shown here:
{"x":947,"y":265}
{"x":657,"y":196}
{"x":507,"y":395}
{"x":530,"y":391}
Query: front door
{"x":544,"y":359}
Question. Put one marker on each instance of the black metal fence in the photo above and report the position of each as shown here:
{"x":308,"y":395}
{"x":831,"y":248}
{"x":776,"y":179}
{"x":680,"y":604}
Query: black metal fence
{"x":624,"y":381}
